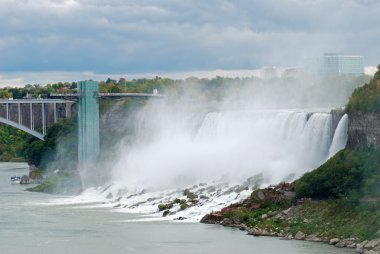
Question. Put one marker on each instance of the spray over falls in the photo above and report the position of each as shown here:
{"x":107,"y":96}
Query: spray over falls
{"x":218,"y":162}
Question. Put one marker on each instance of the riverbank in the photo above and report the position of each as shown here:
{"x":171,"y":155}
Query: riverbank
{"x":269,"y":212}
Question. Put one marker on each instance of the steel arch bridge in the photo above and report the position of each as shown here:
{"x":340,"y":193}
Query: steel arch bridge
{"x":35,"y":115}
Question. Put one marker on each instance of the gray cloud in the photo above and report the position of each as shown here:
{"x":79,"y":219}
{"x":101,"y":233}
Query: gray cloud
{"x":117,"y":36}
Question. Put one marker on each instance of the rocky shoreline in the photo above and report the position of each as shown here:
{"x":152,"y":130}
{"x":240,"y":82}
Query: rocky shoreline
{"x":267,"y":218}
{"x":363,"y":247}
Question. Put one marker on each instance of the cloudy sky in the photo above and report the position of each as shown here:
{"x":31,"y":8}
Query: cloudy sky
{"x":95,"y":37}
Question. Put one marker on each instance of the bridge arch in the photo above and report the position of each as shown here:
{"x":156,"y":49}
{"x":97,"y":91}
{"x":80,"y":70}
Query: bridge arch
{"x":21,"y":114}
{"x":22,"y":127}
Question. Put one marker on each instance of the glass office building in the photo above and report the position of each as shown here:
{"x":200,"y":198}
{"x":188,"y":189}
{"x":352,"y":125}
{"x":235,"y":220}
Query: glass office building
{"x":336,"y":64}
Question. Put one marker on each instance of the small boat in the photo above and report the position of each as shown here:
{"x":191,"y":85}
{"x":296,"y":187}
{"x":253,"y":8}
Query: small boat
{"x":15,"y":179}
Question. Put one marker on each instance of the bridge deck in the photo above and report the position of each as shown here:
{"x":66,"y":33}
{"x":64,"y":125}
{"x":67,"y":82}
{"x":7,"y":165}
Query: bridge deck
{"x":64,"y":95}
{"x":130,"y":95}
{"x":110,"y":95}
{"x":16,"y":101}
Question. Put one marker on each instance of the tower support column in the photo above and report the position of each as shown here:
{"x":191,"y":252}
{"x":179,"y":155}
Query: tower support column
{"x":88,"y":122}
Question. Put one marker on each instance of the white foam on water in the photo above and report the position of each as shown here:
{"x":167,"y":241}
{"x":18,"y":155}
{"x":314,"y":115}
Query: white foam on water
{"x":210,"y":197}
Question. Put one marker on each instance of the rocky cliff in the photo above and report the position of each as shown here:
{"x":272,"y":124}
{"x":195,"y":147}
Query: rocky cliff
{"x":337,"y":114}
{"x":363,"y":130}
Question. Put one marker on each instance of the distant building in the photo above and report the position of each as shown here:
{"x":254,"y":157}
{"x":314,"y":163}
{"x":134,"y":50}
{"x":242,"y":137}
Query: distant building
{"x":336,"y":64}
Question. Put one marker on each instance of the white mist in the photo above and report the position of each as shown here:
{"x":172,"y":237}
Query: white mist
{"x":228,"y":146}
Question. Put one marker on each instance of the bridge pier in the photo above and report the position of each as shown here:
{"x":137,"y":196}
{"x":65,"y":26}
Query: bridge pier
{"x":88,"y":121}
{"x":7,"y":117}
{"x":43,"y":119}
{"x":19,"y":113}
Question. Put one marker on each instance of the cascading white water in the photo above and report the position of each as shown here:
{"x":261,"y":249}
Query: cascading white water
{"x":228,"y":148}
{"x":277,"y":143}
{"x":340,"y":137}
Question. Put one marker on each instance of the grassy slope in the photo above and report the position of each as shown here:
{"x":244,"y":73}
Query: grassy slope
{"x":324,"y":218}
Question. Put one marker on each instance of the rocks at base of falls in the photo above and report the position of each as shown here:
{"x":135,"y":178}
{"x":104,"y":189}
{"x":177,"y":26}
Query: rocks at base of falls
{"x":180,"y":202}
{"x":300,"y":236}
{"x":280,"y":192}
{"x":334,"y":241}
{"x":365,"y":247}
{"x":258,"y":198}
{"x":212,"y":218}
{"x":200,"y":194}
{"x":370,"y":252}
{"x":191,"y":200}
{"x":25,"y":179}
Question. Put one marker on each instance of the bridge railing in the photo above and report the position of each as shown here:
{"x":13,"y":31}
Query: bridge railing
{"x":63,"y":95}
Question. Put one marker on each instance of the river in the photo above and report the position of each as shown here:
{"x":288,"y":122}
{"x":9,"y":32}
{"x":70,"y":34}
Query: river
{"x":38,"y":223}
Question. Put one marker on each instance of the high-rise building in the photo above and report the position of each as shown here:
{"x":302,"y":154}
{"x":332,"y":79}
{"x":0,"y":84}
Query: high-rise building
{"x":336,"y":64}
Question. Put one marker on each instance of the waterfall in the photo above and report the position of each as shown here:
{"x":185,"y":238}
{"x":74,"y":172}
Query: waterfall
{"x":232,"y":144}
{"x":216,"y":159}
{"x":340,"y":136}
{"x":282,"y":142}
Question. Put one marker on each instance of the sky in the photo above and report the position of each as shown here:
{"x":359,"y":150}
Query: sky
{"x":45,"y":39}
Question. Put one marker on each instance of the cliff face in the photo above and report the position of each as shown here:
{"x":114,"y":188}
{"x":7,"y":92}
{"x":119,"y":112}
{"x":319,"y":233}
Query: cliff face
{"x":337,"y":114}
{"x":363,"y":130}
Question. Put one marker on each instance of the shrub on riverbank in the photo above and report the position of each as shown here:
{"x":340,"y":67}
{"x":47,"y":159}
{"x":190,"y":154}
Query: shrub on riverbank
{"x":348,"y":174}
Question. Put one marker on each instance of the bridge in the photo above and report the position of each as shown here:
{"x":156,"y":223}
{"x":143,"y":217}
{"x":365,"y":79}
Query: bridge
{"x":35,"y":115}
